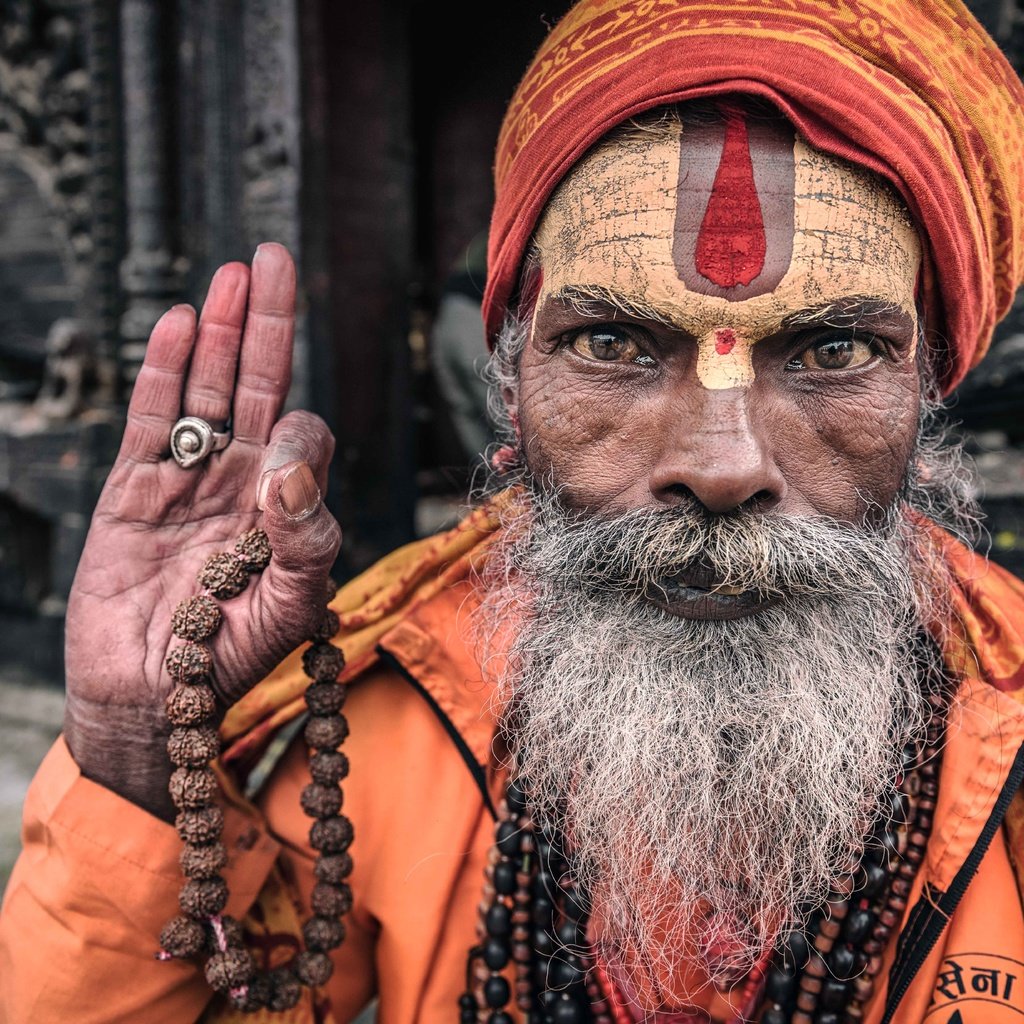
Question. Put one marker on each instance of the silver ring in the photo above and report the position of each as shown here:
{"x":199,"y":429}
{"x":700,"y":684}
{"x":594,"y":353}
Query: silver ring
{"x":192,"y":439}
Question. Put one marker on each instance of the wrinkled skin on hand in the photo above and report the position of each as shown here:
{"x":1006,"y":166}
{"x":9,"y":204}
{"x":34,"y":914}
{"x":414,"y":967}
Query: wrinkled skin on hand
{"x":156,"y":524}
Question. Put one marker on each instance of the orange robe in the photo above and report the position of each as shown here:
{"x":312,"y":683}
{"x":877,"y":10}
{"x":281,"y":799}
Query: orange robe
{"x":98,"y":877}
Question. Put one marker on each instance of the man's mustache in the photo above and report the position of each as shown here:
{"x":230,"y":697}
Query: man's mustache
{"x":634,"y":551}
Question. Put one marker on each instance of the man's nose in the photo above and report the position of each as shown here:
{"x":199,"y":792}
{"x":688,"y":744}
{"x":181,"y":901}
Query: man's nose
{"x":718,"y":453}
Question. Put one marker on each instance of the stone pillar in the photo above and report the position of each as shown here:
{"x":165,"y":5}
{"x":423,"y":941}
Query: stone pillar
{"x":360,"y":220}
{"x":102,"y":301}
{"x":271,"y":154}
{"x":240,"y":124}
{"x":151,"y":273}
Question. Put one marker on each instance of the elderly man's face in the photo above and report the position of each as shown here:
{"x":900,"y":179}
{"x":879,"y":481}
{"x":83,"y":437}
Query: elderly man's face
{"x":725,"y":324}
{"x":729,"y":315}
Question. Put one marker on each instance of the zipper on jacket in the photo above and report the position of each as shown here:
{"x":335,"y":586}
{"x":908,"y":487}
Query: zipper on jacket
{"x":476,"y":769}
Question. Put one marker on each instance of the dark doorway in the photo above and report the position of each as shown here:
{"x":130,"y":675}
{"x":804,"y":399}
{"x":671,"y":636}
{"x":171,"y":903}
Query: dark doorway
{"x":402,"y":118}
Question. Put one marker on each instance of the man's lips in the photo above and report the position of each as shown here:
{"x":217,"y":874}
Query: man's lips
{"x":698,"y":594}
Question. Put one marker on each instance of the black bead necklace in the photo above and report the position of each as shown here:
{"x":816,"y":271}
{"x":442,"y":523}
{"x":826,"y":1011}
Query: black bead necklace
{"x":534,"y":916}
{"x":829,"y":976}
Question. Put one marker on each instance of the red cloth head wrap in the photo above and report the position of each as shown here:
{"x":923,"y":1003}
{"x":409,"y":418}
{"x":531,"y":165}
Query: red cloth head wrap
{"x":914,"y":90}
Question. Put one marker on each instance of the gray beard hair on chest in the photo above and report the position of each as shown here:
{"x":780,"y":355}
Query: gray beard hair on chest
{"x":711,"y":777}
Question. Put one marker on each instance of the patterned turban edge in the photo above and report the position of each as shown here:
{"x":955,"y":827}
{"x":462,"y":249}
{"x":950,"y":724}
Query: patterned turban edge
{"x":914,"y":90}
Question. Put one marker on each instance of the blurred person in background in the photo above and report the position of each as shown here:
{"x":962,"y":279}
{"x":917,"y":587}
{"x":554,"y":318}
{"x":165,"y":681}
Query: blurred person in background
{"x":455,"y":350}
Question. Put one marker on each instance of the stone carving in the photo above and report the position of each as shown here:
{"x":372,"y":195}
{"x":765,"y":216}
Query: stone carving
{"x":72,"y":375}
{"x":44,"y":99}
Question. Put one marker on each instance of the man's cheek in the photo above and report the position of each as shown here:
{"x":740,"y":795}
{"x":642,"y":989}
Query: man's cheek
{"x":591,"y":443}
{"x":564,"y":412}
{"x":859,"y":449}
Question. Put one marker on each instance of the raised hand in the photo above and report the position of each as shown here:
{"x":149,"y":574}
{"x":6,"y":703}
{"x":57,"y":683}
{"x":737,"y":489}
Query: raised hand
{"x":156,"y":524}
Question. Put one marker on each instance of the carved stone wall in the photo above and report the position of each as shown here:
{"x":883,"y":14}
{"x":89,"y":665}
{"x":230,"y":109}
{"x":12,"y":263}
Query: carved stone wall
{"x":59,"y":246}
{"x":44,"y":88}
{"x":142,"y":143}
{"x":35,"y":284}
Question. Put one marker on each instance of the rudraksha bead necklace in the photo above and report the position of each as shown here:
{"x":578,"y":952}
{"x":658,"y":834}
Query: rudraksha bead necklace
{"x":203,"y":929}
{"x":533,"y":915}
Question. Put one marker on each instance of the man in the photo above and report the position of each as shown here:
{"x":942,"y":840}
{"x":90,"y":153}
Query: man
{"x":455,"y":353}
{"x":760,"y":713}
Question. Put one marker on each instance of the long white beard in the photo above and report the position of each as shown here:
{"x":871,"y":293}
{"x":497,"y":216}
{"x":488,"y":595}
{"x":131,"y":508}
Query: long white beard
{"x":711,"y":777}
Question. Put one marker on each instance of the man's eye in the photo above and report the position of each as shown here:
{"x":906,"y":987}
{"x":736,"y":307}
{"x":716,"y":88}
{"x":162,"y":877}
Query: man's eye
{"x":837,"y":352}
{"x":609,"y":344}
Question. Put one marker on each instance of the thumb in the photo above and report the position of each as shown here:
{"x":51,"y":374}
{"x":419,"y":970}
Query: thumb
{"x":305,"y":539}
{"x":298,"y":437}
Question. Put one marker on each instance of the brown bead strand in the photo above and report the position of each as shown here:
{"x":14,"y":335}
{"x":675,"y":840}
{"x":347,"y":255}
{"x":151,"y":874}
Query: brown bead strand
{"x":825,"y":995}
{"x":879,"y":895}
{"x":536,"y":918}
{"x":878,"y":937}
{"x":522,"y":918}
{"x":202,"y":929}
{"x":826,"y":982}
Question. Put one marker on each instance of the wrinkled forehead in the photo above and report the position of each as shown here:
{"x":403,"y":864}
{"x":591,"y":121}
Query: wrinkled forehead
{"x":735,"y":223}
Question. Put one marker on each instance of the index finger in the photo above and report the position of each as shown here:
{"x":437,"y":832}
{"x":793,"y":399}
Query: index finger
{"x":265,"y":362}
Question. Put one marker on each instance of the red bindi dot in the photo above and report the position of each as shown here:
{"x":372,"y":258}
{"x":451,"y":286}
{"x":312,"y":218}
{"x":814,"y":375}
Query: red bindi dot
{"x":725,"y":341}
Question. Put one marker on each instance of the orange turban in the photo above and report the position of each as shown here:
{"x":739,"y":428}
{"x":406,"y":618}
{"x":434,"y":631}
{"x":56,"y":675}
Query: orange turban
{"x":914,"y":90}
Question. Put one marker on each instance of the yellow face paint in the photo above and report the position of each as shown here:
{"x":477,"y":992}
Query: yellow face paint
{"x":724,"y":359}
{"x":613,"y":225}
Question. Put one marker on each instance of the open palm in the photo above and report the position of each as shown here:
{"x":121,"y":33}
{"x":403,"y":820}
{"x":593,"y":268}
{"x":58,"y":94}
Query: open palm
{"x":156,"y":523}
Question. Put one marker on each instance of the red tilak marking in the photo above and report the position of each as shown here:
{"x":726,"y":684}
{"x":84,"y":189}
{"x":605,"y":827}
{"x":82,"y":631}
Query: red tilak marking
{"x":731,"y":244}
{"x":725,"y":341}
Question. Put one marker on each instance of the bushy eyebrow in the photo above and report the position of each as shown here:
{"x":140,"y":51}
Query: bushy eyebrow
{"x":865,"y":312}
{"x":596,"y":301}
{"x":857,"y":313}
